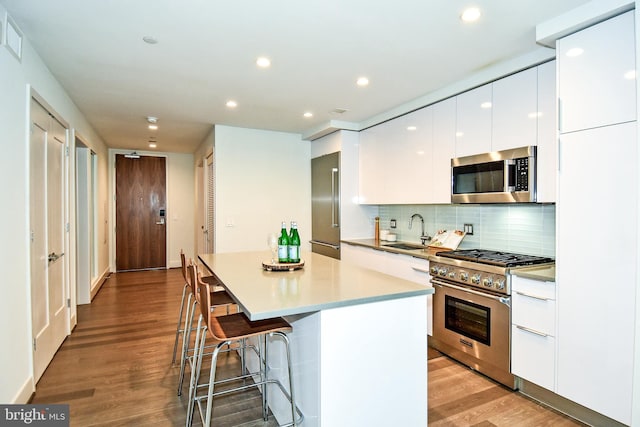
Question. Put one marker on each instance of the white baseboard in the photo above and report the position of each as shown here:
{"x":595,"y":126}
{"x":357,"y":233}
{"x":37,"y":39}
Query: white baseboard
{"x":25,"y":392}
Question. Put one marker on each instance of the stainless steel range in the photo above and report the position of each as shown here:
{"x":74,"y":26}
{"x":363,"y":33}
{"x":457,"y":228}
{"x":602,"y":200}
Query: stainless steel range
{"x":472,"y":308}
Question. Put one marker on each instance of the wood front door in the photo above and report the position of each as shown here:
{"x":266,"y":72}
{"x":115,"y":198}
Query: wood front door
{"x":49,"y":296}
{"x":141,"y":238}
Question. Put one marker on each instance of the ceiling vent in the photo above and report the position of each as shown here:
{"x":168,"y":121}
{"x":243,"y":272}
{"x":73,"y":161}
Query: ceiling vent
{"x":338,"y":111}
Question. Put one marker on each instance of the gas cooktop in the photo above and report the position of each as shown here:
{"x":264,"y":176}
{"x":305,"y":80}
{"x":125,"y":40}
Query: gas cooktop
{"x":501,"y":259}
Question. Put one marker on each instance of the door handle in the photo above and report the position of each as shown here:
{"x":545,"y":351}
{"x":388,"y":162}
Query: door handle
{"x":161,"y":222}
{"x":54,"y":256}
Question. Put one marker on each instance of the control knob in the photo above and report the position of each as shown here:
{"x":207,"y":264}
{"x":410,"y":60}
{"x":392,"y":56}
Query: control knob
{"x":499,"y":284}
{"x":442,"y":271}
{"x":434,"y":270}
{"x":488,"y":281}
{"x":475,"y":279}
{"x":464,"y":276}
{"x":452,"y":275}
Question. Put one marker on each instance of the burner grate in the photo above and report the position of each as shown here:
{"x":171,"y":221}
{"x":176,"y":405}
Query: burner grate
{"x":497,"y":258}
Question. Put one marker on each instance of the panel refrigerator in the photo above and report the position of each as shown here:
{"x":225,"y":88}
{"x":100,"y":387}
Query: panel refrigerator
{"x":325,"y":205}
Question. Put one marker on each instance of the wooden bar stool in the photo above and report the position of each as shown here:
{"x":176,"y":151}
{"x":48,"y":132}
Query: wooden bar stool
{"x":218,"y":299}
{"x":187,"y":286}
{"x":227,"y":330}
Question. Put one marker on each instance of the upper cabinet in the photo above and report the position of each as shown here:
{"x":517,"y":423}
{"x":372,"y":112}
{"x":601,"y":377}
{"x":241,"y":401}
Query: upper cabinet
{"x":444,"y":142}
{"x":514,"y":111}
{"x":407,"y":160}
{"x":597,"y":71}
{"x":395,"y":160}
{"x":473,"y":121}
{"x":547,"y":140}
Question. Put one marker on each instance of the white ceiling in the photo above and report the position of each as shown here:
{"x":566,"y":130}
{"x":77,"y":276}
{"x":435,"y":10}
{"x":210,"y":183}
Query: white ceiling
{"x":207,"y":49}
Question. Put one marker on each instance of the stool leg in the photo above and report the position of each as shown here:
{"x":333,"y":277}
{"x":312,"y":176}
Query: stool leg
{"x":198,"y":350}
{"x":290,"y":368}
{"x":212,"y":379}
{"x":186,"y":337}
{"x":178,"y":330}
{"x":263,"y":377}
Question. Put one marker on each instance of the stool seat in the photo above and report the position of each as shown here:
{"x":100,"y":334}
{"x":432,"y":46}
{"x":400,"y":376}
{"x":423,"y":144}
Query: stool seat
{"x":237,"y":326}
{"x":221,"y":298}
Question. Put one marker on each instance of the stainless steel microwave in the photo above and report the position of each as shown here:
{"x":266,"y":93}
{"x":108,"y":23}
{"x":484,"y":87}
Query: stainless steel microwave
{"x":507,"y":176}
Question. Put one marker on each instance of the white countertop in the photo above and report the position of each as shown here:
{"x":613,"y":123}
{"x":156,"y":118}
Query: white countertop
{"x":322,"y":284}
{"x":546,"y":273}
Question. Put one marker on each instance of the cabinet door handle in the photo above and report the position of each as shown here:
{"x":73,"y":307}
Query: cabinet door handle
{"x":533,"y":331}
{"x":420,"y":269}
{"x":524,"y":294}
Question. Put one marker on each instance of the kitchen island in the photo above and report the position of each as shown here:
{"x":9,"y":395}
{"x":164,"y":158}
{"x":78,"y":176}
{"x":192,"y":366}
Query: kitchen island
{"x":359,"y":338}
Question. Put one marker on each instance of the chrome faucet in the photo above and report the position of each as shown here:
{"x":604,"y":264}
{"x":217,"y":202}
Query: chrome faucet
{"x":424,"y":238}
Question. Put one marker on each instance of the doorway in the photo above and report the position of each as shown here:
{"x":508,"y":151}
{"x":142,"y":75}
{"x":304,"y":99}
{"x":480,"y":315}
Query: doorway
{"x":47,"y":221}
{"x":141,"y":238}
{"x":86,"y":182}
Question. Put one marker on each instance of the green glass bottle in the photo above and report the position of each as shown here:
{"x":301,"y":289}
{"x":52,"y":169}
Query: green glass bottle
{"x":294,"y":243}
{"x":283,"y":244}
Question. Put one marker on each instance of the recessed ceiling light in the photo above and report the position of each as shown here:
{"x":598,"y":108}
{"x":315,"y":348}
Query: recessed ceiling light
{"x":150,"y":40}
{"x":263,"y":62}
{"x":486,"y":105}
{"x":362,"y":81}
{"x":153,"y":127}
{"x":152,"y":119}
{"x":576,"y":51}
{"x":308,"y":114}
{"x":232,"y":104}
{"x":459,"y":134}
{"x":152,"y":145}
{"x":411,"y":128}
{"x":471,"y":14}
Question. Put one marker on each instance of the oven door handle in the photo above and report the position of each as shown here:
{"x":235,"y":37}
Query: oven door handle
{"x":503,"y":300}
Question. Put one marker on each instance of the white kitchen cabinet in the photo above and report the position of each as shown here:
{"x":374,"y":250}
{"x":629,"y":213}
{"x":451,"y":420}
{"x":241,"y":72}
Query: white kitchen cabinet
{"x":364,"y":257}
{"x":444,"y":143}
{"x":533,"y":334}
{"x":596,"y":312}
{"x":597,"y":190}
{"x":397,"y":265}
{"x":414,"y":158}
{"x":514,"y":111}
{"x":596,"y":69}
{"x":373,"y":164}
{"x":473,"y":121}
{"x":547,"y":140}
{"x":395,"y":160}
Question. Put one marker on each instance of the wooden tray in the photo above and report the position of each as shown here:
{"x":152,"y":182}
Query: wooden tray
{"x":288,"y":266}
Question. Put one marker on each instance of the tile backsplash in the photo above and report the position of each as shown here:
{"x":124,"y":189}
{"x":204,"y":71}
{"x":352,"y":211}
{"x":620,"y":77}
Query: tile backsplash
{"x":521,"y":228}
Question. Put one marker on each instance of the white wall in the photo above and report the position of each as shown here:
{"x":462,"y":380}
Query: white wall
{"x":16,"y":81}
{"x":180,"y":203}
{"x":262,"y":178}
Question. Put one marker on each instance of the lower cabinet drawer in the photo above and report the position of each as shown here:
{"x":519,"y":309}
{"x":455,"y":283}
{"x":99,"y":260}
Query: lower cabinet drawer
{"x":534,"y":312}
{"x":533,"y":357}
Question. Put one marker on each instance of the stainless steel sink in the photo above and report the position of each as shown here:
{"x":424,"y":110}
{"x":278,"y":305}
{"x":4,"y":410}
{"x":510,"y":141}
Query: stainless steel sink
{"x":405,"y":246}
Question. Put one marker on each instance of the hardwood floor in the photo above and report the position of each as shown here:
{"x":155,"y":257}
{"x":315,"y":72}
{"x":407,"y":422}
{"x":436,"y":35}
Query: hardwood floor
{"x":115,"y":370}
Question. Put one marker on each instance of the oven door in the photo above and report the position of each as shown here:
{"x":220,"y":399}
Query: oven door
{"x":474,"y":328}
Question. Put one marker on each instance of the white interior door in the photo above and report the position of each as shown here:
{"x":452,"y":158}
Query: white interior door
{"x":47,"y":195}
